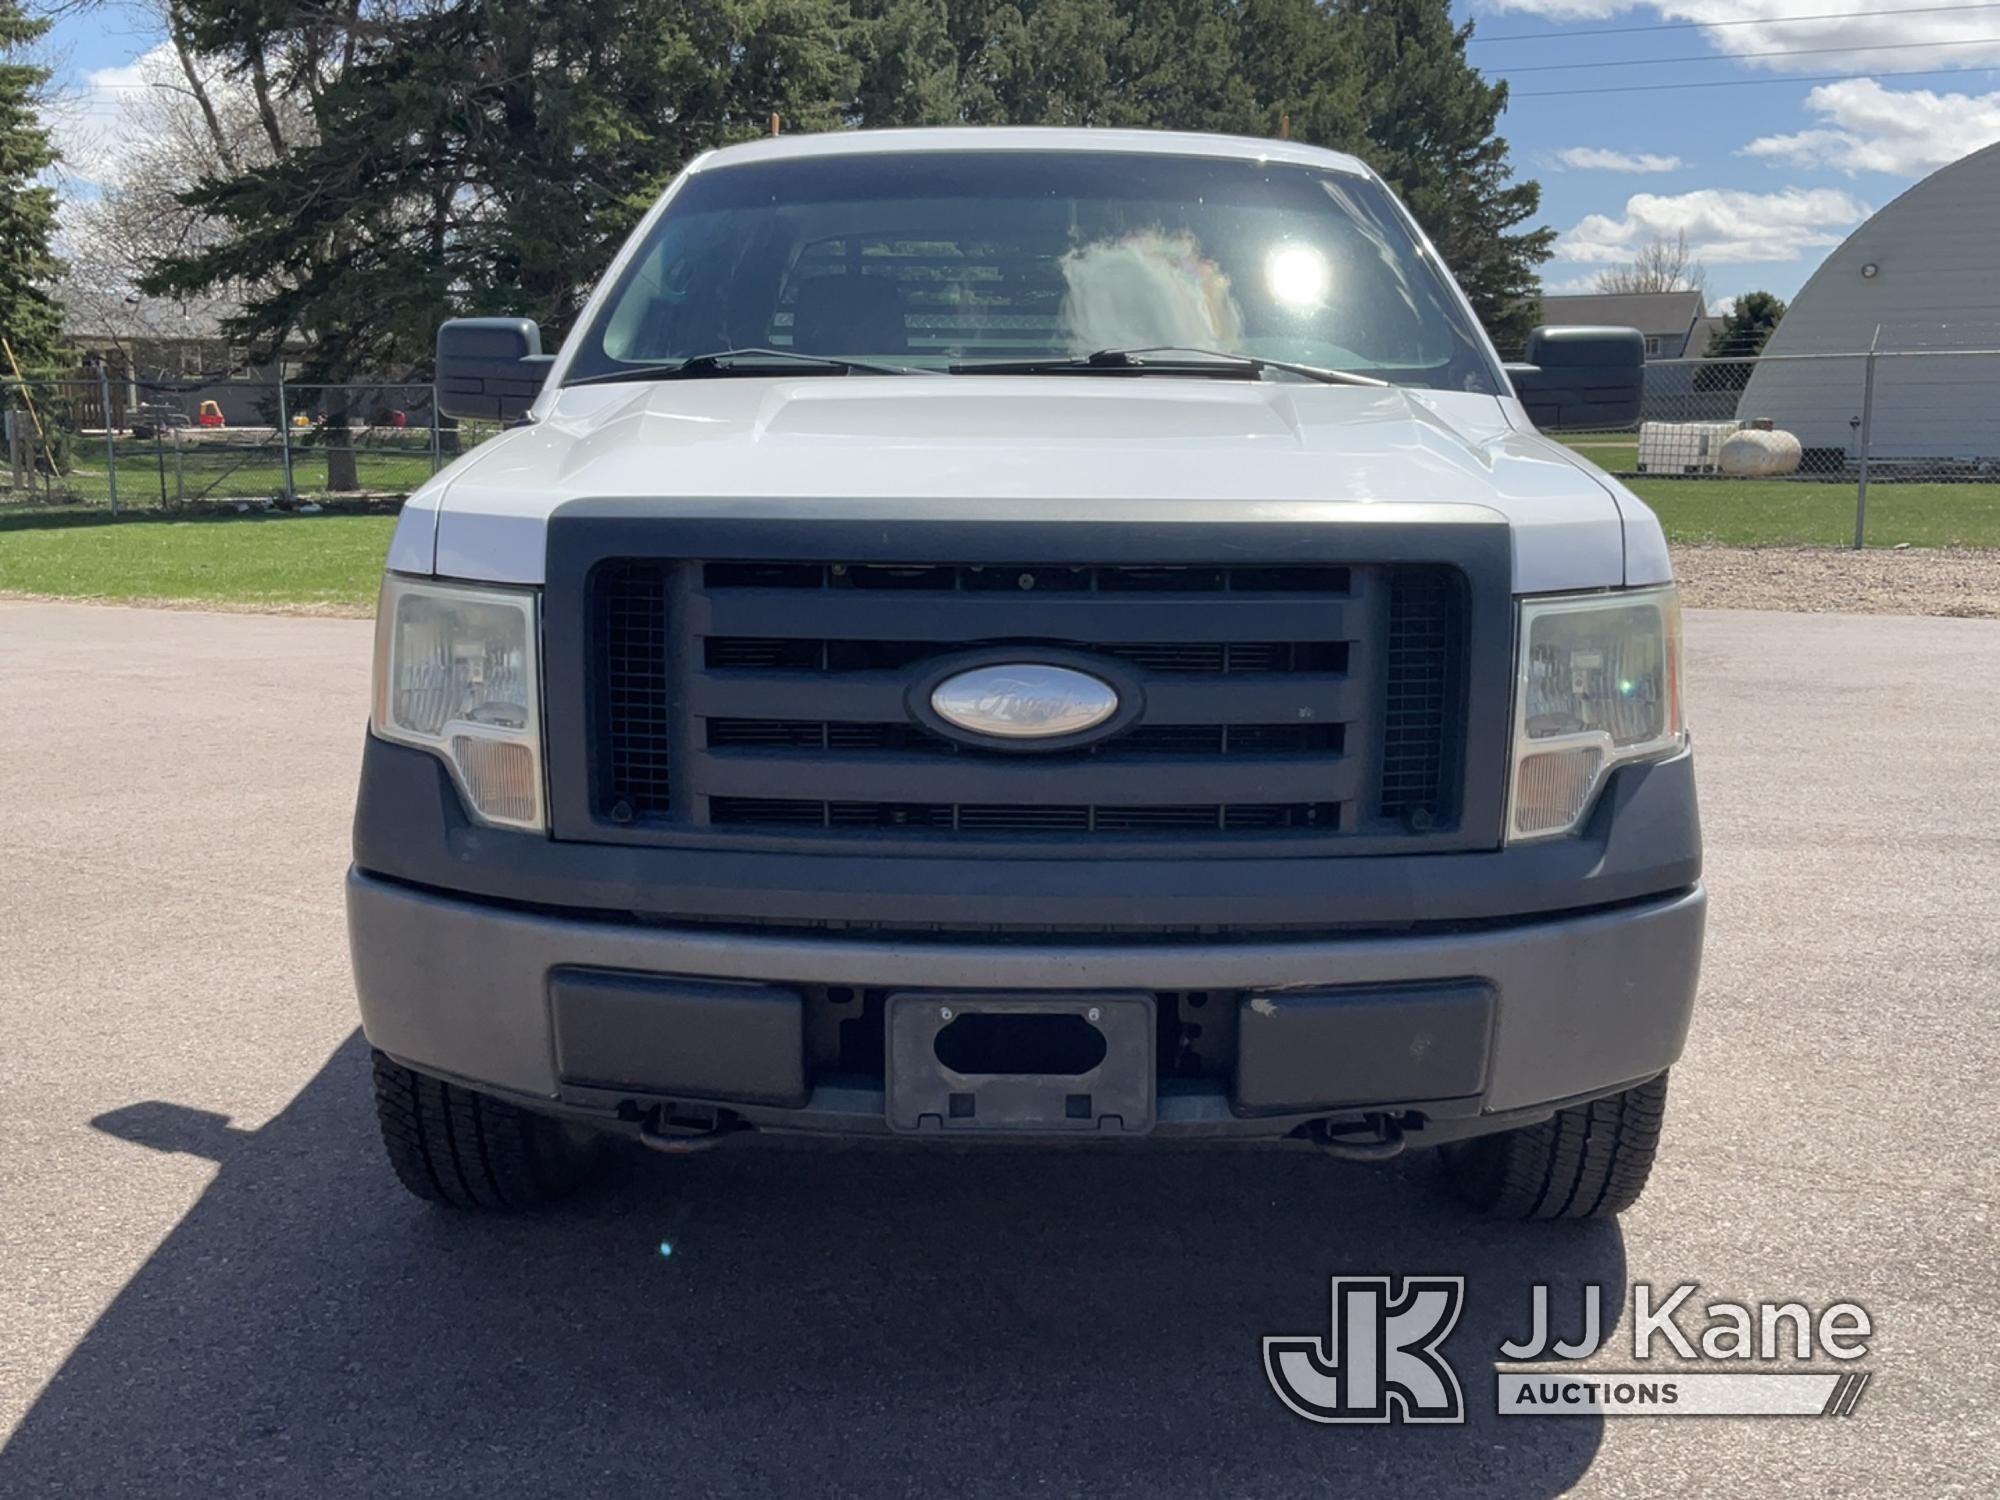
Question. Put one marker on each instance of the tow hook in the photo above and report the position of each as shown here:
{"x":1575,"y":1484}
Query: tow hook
{"x":1371,"y":1138}
{"x":672,"y":1137}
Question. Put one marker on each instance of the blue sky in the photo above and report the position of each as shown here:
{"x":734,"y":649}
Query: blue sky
{"x":1765,"y":174}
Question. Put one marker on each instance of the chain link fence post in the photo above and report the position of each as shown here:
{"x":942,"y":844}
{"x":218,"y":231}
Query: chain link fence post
{"x":110,"y":434}
{"x":437,"y":433}
{"x":160,"y":457}
{"x":1867,"y":439}
{"x":285,"y":436}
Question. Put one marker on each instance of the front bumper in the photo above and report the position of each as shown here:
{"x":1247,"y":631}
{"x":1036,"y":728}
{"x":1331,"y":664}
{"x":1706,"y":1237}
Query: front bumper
{"x":1580,"y":1004}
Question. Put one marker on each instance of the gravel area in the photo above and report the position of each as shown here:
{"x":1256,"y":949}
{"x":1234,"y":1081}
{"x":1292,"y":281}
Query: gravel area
{"x":1957,"y":581}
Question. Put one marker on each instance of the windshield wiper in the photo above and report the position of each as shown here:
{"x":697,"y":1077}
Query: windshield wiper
{"x":1208,"y":361}
{"x":740,"y":362}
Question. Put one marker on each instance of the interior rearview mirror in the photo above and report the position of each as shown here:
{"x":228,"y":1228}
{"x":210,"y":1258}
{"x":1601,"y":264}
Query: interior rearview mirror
{"x":490,"y":369}
{"x":1582,"y":377}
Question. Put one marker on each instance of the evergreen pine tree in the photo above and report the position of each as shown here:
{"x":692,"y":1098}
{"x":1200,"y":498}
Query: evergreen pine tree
{"x":1427,"y":124}
{"x":1748,"y":325}
{"x":30,"y":318}
{"x":1385,"y":79}
{"x":1745,"y":330}
{"x":469,"y":156}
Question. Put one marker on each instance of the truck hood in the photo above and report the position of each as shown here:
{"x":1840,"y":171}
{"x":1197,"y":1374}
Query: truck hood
{"x":1060,"y":448}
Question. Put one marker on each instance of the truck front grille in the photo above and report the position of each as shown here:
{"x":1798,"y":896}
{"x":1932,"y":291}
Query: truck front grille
{"x":1280,"y":701}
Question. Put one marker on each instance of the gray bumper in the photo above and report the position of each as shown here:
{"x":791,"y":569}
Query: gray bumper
{"x":1581,"y":1003}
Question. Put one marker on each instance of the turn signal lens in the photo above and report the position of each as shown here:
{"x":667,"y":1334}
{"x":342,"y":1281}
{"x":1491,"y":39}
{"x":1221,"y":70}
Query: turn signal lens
{"x":1552,"y":787}
{"x":1599,"y":685}
{"x":499,"y":777}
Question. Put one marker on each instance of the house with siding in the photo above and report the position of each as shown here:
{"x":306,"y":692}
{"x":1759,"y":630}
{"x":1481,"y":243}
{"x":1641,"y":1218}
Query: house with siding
{"x":1668,"y":320}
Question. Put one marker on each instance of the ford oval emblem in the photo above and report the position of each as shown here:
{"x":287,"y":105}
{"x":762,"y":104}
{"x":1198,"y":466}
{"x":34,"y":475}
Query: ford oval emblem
{"x":1024,"y":701}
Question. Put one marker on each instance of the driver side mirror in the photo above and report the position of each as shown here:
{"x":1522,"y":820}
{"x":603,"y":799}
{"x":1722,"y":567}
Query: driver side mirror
{"x":1582,"y":377}
{"x":490,"y":369}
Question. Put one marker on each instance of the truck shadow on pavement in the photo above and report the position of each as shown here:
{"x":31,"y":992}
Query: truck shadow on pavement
{"x":776,"y":1320}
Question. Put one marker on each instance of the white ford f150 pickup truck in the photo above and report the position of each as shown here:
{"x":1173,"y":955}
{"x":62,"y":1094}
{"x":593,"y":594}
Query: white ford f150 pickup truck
{"x":1028,"y":635}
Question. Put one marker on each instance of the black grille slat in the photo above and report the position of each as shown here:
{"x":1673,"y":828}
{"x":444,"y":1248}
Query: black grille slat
{"x":1028,"y":577}
{"x":812,"y":654}
{"x":930,"y":615}
{"x":1279,"y":699}
{"x":762,"y":653}
{"x":1147,"y":739}
{"x":1027,"y":817}
{"x":1024,"y":817}
{"x":1118,"y":781}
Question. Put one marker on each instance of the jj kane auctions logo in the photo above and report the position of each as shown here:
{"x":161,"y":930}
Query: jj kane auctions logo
{"x":1383,"y":1361}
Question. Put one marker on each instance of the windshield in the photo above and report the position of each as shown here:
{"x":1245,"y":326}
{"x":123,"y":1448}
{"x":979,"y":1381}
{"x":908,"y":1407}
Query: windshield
{"x":936,"y":259}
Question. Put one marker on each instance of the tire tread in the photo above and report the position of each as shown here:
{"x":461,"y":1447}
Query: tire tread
{"x":464,"y":1149}
{"x":1589,"y":1161}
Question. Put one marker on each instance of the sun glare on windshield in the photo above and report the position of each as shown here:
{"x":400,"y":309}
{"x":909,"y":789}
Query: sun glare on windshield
{"x":1298,"y":276}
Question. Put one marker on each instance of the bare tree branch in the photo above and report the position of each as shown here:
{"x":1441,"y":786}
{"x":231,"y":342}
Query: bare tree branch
{"x":1662,"y":266}
{"x":177,"y":30}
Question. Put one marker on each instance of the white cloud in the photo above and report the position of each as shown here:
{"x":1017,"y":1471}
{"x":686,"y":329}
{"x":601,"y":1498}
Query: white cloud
{"x":1827,"y":43}
{"x":1723,"y":226}
{"x":103,"y":119}
{"x":1722,"y":307}
{"x":1597,"y":159}
{"x":1904,"y":132}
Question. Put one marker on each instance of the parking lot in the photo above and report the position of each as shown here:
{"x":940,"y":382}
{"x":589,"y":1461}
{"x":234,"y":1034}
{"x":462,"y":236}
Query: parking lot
{"x":213,"y":1286}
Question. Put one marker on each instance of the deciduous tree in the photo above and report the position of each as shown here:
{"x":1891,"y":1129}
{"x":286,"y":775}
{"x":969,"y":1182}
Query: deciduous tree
{"x":1661,"y":265}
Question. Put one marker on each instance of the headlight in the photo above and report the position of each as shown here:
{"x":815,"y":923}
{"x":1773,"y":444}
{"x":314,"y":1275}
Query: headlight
{"x":1600,"y":684}
{"x":455,"y":673}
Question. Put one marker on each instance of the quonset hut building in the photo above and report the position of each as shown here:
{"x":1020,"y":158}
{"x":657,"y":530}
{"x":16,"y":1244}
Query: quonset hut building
{"x":1926,"y":271}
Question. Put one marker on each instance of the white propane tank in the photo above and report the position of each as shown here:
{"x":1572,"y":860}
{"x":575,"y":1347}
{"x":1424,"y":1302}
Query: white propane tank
{"x":1759,"y":452}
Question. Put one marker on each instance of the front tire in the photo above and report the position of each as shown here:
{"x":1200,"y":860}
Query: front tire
{"x":1589,"y":1161}
{"x":454,"y":1146}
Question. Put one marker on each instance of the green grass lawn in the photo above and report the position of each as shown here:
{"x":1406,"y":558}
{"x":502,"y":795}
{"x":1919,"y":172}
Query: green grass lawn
{"x":1796,"y":512}
{"x":255,"y":560}
{"x":1614,"y":454}
{"x":1779,"y":512}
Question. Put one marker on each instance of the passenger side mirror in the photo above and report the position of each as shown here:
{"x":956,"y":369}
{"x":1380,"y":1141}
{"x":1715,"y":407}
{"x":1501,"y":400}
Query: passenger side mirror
{"x":1582,"y":377}
{"x":490,"y":369}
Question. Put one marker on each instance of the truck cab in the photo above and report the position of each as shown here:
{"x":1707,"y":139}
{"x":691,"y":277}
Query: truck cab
{"x":1029,"y":636}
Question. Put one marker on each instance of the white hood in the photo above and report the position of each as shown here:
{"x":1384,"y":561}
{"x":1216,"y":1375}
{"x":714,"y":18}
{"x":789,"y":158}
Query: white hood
{"x":890,"y":448}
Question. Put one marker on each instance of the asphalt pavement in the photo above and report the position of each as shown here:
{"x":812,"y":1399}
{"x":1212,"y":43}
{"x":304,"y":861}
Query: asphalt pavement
{"x":211,"y":1286}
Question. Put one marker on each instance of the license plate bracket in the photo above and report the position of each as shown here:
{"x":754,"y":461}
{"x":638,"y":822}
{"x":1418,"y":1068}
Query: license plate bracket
{"x":1020,"y":1063}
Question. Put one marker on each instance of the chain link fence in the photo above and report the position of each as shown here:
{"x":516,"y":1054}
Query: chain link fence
{"x":1911,"y":419}
{"x":92,"y":440}
{"x":1919,"y":423}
